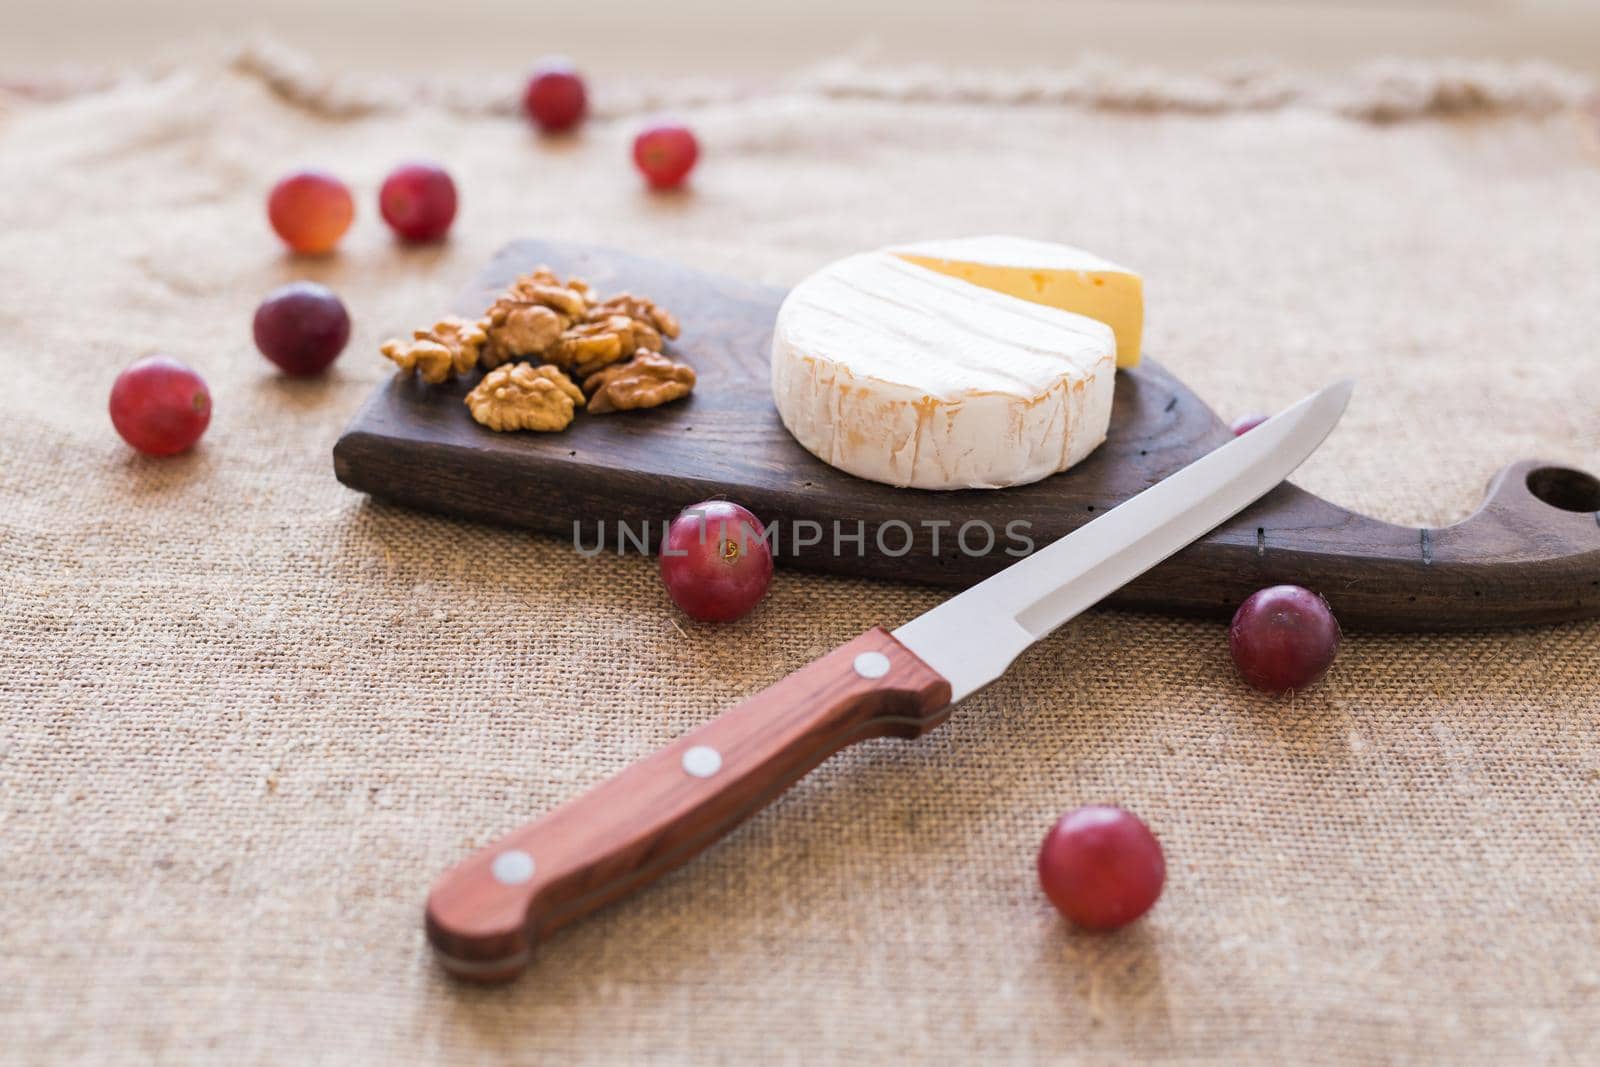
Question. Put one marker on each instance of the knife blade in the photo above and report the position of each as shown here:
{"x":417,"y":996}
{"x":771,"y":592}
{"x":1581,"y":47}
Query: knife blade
{"x":484,"y":916}
{"x":972,"y":638}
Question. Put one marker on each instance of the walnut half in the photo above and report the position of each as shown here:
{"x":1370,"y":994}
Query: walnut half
{"x":449,"y":347}
{"x":640,"y":310}
{"x":531,"y":314}
{"x":519,"y":331}
{"x":647,"y":380}
{"x":521,"y":397}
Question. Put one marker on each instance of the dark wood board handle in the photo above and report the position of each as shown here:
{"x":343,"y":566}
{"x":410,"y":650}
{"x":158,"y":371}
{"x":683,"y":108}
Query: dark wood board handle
{"x":1531,"y":554}
{"x":485,"y":915}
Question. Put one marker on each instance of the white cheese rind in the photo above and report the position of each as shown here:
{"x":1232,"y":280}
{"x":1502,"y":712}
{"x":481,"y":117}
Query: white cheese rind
{"x":1001,"y":250}
{"x":901,"y":375}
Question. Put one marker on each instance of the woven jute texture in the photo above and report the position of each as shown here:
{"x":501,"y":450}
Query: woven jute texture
{"x":246,"y":715}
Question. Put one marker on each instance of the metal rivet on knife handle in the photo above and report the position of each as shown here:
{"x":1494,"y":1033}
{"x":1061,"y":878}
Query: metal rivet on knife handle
{"x":702,"y":761}
{"x":872,"y":665}
{"x":512,"y":867}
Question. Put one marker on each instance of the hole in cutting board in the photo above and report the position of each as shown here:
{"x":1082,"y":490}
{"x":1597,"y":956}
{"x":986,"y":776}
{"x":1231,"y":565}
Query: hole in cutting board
{"x":1565,"y":488}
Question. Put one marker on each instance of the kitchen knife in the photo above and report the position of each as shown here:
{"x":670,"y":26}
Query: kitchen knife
{"x":485,"y":914}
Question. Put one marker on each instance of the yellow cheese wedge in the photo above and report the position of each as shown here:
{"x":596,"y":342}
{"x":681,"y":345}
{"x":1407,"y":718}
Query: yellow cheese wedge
{"x":1052,"y":274}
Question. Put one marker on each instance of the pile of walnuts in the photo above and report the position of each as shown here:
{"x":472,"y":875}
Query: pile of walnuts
{"x":539,"y":336}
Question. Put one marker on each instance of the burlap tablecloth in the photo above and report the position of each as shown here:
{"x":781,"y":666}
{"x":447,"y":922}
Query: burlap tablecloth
{"x":248,"y":715}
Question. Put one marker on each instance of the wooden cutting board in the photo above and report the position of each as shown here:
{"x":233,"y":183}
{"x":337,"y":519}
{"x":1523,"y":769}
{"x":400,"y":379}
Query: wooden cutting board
{"x":1530,"y":554}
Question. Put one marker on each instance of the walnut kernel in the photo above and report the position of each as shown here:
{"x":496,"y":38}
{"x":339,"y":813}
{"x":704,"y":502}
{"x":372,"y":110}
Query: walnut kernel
{"x":520,"y":331}
{"x":640,"y":309}
{"x":541,"y":286}
{"x":449,"y":347}
{"x":588,"y":347}
{"x":531,"y":315}
{"x":647,"y":380}
{"x":523,"y":397}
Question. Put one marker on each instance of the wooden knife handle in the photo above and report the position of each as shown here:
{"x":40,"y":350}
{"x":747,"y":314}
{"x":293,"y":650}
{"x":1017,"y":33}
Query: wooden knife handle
{"x":486,"y":913}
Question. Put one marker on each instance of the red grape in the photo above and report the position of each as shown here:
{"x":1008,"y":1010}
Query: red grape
{"x":1283,"y":637}
{"x":310,"y":210}
{"x":555,"y":98}
{"x":159,"y":406}
{"x":665,"y":154}
{"x":715,"y":561}
{"x":1101,"y":867}
{"x":302,"y":327}
{"x":1245,"y":423}
{"x":418,"y":201}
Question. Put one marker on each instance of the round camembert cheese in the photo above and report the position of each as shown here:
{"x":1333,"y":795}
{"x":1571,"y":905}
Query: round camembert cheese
{"x":897,"y":373}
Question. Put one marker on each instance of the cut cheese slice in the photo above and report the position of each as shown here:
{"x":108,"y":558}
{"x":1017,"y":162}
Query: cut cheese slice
{"x":905,"y":376}
{"x":1062,"y":277}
